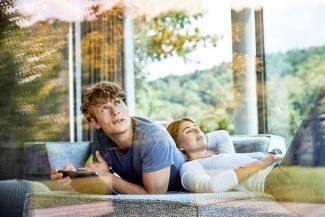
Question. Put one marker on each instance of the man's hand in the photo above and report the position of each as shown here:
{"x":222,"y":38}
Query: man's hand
{"x":64,"y":182}
{"x":101,"y":167}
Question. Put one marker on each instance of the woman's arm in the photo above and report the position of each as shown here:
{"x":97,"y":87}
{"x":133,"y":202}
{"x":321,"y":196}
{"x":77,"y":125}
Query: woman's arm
{"x":245,"y":171}
{"x":201,"y":178}
{"x":196,"y":179}
{"x":221,"y":141}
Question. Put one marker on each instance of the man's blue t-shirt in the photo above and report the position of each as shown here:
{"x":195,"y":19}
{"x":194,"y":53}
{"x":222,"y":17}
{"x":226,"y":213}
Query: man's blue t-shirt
{"x":152,"y":149}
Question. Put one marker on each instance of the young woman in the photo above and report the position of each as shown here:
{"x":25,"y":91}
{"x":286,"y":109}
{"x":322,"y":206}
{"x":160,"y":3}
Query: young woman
{"x":205,"y":172}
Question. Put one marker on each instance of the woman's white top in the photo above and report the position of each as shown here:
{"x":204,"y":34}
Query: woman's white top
{"x":216,"y":174}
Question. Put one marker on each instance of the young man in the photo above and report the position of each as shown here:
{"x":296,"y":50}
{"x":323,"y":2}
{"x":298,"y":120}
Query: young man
{"x":142,"y":153}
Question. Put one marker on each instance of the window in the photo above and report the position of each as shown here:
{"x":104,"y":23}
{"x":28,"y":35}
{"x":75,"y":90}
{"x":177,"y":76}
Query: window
{"x":47,"y":58}
{"x":34,"y":88}
{"x":183,"y":63}
{"x":295,"y":49}
{"x":241,"y":66}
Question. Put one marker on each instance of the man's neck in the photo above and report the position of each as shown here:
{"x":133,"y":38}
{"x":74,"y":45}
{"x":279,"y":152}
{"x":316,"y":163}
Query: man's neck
{"x":124,"y":140}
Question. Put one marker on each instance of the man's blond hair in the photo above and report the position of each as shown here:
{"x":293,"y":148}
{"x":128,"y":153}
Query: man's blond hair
{"x":99,"y":94}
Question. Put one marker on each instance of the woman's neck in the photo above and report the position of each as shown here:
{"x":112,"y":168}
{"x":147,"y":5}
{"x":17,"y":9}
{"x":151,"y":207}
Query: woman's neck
{"x":198,"y":155}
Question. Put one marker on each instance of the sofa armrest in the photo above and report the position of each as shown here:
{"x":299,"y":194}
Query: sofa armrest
{"x":258,"y":143}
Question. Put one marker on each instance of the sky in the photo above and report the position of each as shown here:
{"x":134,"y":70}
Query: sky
{"x":288,"y":24}
{"x":298,"y":25}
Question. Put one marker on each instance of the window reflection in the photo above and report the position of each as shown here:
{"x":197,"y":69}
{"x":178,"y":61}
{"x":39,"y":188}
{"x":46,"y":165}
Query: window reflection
{"x":40,"y":55}
{"x":33,"y":75}
{"x":295,"y":49}
{"x":184,"y":44}
{"x":43,"y":66}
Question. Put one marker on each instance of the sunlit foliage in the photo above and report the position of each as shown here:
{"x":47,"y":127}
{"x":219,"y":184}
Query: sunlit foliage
{"x":32,"y":106}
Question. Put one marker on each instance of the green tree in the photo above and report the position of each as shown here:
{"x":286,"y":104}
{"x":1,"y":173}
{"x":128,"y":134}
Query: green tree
{"x":167,"y":35}
{"x":30,"y":60}
{"x":209,"y":101}
{"x":293,"y":77}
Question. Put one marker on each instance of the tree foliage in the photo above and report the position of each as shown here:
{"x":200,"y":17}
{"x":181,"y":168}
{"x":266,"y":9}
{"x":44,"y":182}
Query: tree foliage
{"x":30,"y":61}
{"x":208,"y":97}
{"x":33,"y":75}
{"x":168,"y":35}
{"x":292,"y":86}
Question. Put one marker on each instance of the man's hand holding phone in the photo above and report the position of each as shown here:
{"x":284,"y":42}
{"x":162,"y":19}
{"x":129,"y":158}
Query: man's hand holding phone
{"x":56,"y":175}
{"x":95,"y":178}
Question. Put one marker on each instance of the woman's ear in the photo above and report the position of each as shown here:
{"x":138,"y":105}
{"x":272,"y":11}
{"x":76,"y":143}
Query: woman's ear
{"x":94,"y":123}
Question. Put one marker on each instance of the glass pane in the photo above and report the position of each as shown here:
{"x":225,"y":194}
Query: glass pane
{"x":50,"y":50}
{"x":183,"y":53}
{"x":34,"y":75}
{"x":46,"y":50}
{"x":295,"y":51}
{"x":102,"y":55}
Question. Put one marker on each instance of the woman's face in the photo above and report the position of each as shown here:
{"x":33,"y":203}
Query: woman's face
{"x":191,"y":138}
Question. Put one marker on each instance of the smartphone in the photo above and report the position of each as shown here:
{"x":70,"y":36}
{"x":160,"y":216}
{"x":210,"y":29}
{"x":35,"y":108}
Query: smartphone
{"x":77,"y":174}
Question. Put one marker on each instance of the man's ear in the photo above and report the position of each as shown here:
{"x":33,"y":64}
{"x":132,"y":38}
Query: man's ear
{"x":94,"y":123}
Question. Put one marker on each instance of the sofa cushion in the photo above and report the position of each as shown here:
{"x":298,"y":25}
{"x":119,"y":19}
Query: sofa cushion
{"x":182,"y":204}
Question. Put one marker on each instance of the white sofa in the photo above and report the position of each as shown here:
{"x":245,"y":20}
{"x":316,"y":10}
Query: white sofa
{"x":58,"y":203}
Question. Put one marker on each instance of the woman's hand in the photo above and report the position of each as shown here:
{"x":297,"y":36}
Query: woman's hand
{"x":269,"y":159}
{"x":245,"y":171}
{"x":101,"y":167}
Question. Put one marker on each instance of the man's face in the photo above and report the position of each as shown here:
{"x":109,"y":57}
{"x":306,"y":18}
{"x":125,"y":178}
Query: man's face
{"x":113,"y":117}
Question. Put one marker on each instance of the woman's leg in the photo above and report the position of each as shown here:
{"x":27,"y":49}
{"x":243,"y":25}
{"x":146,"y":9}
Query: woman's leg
{"x":297,"y":184}
{"x":308,"y":144}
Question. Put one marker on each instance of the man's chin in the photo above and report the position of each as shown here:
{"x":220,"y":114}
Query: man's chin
{"x":121,"y":127}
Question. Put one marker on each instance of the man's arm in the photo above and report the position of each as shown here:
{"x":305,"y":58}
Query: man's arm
{"x":157,"y":182}
{"x":154,"y":183}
